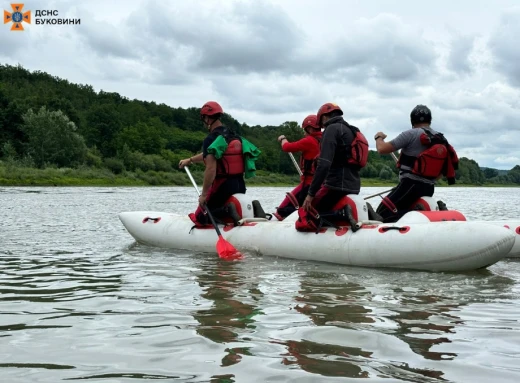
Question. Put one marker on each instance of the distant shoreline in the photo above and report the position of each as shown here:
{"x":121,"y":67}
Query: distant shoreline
{"x":19,"y":176}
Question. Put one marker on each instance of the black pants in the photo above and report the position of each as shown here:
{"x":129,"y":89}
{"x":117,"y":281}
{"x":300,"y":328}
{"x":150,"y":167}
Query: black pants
{"x":326,"y":198}
{"x":402,"y":197}
{"x":219,"y":193}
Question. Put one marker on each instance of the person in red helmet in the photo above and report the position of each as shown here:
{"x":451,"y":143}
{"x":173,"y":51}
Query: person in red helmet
{"x":223,"y":177}
{"x":309,"y":146}
{"x":337,"y":172}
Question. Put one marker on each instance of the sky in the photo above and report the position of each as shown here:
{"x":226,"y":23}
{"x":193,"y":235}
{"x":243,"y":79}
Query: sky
{"x":271,"y":61}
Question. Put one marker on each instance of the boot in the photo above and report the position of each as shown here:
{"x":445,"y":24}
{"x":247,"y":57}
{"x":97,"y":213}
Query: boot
{"x":350,"y":218}
{"x":442,"y":205}
{"x":258,"y":211}
{"x":278,"y":216}
{"x":231,"y":211}
{"x":419,"y":207}
{"x":372,"y":215}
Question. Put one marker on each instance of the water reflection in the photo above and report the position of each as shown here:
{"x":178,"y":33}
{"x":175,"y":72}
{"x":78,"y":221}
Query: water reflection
{"x":336,"y":303}
{"x":229,"y":317}
{"x":420,"y":324}
{"x":420,"y":321}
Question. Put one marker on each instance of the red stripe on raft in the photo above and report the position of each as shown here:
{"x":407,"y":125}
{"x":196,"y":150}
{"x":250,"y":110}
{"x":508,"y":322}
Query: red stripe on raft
{"x":341,"y":231}
{"x":444,"y":215}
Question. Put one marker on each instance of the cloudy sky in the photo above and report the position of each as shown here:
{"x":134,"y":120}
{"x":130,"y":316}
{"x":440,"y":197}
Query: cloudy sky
{"x":271,"y":61}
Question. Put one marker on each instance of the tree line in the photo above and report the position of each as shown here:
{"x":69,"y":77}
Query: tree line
{"x":46,"y":121}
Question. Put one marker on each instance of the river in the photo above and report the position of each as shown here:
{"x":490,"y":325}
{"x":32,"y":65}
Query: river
{"x":79,"y":300}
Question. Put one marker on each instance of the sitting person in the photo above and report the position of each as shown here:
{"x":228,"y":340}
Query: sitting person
{"x":309,"y":145}
{"x":224,"y":169}
{"x":425,"y":156}
{"x":344,"y":151}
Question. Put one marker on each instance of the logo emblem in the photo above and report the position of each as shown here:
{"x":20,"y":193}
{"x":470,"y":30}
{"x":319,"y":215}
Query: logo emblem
{"x":17,"y":17}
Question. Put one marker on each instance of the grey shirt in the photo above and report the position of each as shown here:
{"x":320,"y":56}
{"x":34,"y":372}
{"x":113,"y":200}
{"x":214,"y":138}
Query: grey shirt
{"x":409,"y":142}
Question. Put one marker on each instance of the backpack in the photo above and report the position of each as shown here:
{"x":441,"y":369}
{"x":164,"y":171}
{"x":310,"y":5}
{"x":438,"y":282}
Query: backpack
{"x":438,"y":159}
{"x":358,"y":148}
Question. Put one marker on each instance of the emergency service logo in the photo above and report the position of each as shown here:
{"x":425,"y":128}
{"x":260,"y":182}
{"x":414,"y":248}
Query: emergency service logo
{"x":17,"y":17}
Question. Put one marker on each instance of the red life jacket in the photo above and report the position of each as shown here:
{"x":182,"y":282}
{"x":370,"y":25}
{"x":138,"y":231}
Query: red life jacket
{"x":439,"y":158}
{"x":232,"y":161}
{"x":308,"y":166}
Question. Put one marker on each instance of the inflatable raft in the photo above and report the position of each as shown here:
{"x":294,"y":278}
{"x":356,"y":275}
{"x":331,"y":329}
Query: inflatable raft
{"x":421,"y":240}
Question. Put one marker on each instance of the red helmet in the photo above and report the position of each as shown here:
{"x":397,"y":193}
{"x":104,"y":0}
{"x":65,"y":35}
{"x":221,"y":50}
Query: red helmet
{"x":210,"y":108}
{"x":310,"y":122}
{"x":326,"y":109}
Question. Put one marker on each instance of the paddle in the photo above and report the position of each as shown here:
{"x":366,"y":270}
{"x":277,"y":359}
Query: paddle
{"x":295,"y":164}
{"x":225,"y":249}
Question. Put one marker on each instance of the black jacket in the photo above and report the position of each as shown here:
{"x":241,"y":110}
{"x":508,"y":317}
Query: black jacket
{"x":332,"y":164}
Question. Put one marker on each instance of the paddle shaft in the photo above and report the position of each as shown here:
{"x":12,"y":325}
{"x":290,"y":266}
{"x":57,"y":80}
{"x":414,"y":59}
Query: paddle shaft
{"x":205,"y":206}
{"x":192,"y":180}
{"x":296,"y":164}
{"x":375,"y":195}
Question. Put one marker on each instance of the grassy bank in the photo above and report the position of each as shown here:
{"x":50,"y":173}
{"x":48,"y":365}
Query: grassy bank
{"x":12,"y":174}
{"x":16,"y":175}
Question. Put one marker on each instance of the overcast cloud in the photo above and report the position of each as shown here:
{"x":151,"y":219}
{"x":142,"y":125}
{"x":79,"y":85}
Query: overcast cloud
{"x":270,"y":61}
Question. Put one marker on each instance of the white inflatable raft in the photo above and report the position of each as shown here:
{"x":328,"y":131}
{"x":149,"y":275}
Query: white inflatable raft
{"x":425,"y":240}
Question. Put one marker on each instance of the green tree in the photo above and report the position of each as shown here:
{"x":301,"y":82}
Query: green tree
{"x":52,"y":139}
{"x":102,"y":125}
{"x":146,"y":137}
{"x":490,"y":173}
{"x":514,"y":174}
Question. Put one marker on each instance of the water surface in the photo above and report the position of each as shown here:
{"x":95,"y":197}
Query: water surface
{"x":80,"y":301}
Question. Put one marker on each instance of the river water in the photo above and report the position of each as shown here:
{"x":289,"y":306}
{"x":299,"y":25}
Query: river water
{"x":79,"y":300}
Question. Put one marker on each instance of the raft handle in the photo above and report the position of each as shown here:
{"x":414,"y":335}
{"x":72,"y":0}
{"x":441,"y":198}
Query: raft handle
{"x":402,"y":229}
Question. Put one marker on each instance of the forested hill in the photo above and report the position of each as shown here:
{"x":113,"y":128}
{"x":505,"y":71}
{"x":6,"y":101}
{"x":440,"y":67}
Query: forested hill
{"x":46,"y":121}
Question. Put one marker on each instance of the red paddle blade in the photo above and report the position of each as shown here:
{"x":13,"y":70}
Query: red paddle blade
{"x":227,"y":251}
